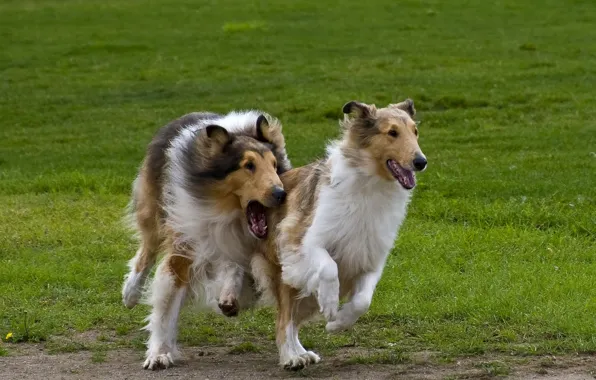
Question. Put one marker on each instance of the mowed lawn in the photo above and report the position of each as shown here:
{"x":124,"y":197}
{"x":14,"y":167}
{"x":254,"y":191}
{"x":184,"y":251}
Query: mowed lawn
{"x":498,"y":253}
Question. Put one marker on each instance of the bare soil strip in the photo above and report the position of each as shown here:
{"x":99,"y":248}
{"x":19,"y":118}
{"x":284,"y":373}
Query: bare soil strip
{"x":28,"y":361}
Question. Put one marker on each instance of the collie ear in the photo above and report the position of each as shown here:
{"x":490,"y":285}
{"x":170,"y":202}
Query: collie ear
{"x":216,"y":136}
{"x":269,"y":131}
{"x":263,"y":129}
{"x":407,"y":105}
{"x":357,"y":109}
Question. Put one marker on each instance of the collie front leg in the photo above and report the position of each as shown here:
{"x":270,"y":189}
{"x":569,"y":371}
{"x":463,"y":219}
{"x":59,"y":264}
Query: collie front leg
{"x":328,"y":287}
{"x":233,"y":277}
{"x":168,"y":292}
{"x":358,"y":304}
{"x":313,"y":271}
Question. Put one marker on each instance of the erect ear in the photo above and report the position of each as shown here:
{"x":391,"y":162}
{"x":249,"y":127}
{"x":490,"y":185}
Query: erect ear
{"x":407,"y":105}
{"x":270,"y":132}
{"x":216,"y":136}
{"x":357,"y":109}
{"x":263,"y":129}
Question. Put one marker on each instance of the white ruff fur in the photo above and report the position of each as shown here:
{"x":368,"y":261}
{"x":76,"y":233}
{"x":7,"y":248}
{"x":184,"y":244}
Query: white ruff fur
{"x":356,"y":221}
{"x":215,"y":236}
{"x":357,"y":218}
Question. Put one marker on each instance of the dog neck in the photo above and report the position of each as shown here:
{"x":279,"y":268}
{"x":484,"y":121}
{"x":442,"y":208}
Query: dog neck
{"x":354,"y":170}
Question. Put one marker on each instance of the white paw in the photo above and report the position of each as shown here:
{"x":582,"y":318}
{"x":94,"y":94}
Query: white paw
{"x":298,"y":362}
{"x":132,"y":290}
{"x":294,"y":363}
{"x":328,"y":298}
{"x":131,"y":298}
{"x":158,"y":361}
{"x":311,"y":357}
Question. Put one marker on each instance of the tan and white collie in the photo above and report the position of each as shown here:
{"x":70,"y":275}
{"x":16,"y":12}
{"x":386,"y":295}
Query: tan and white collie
{"x":200,"y":196}
{"x":339,"y":223}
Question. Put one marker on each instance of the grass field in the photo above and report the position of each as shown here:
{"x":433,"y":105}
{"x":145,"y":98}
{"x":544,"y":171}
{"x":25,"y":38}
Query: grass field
{"x":498,"y":253}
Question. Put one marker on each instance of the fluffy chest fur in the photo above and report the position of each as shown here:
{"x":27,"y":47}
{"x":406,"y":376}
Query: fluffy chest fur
{"x":213,"y":234}
{"x":357,"y":217}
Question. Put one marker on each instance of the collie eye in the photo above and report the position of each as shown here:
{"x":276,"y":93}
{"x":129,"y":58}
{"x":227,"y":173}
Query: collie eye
{"x":250,"y":166}
{"x":392,"y":133}
{"x":416,"y":132}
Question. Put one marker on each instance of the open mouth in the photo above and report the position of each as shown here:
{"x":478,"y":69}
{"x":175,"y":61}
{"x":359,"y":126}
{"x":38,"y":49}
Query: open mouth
{"x":257,"y":219}
{"x":404,"y":176}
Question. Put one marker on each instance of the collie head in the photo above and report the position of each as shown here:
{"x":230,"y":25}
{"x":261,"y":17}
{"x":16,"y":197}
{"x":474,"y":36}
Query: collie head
{"x":238,"y":171}
{"x":383,"y":142}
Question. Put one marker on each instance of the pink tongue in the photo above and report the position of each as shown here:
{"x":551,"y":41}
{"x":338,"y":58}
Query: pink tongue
{"x":406,"y":176}
{"x":258,"y":225}
{"x":262,"y":227}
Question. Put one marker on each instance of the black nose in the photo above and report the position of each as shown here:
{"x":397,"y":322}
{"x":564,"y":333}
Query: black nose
{"x":278,"y":194}
{"x":419,"y":162}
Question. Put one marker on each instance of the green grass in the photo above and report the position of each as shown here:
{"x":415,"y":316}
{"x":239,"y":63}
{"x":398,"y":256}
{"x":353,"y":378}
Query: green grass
{"x":387,"y":357}
{"x":98,"y":356}
{"x":65,"y":345}
{"x":495,"y":369}
{"x":243,"y":348}
{"x":498,"y":252}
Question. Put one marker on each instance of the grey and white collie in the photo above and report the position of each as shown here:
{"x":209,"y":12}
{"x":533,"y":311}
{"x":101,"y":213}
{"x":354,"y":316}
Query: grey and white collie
{"x":200,"y":197}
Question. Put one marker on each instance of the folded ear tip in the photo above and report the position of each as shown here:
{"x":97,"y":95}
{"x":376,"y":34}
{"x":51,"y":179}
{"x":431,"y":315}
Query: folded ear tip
{"x":347,"y":108}
{"x":406,"y":105}
{"x":411,"y":107}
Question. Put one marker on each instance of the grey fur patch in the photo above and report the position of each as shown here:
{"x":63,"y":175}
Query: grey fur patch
{"x":156,"y":152}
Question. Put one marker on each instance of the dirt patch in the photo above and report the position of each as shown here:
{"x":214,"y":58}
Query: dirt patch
{"x":33,"y":362}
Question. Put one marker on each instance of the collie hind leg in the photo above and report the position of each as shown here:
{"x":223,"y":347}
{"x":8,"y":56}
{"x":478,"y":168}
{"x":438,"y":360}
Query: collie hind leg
{"x":145,"y":212}
{"x":291,"y":314}
{"x":168,"y":292}
{"x":139,"y":268}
